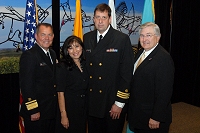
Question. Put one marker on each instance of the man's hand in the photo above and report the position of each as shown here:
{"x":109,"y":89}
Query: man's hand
{"x":35,"y":117}
{"x":115,"y":111}
{"x":153,"y":124}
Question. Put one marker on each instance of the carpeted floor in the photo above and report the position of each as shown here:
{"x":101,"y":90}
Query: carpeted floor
{"x":185,"y":119}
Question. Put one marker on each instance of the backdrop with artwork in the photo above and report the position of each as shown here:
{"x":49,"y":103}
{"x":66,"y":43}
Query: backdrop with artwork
{"x":128,"y":19}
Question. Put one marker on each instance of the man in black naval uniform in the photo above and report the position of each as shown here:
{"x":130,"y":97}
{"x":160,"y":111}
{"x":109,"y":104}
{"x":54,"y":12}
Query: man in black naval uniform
{"x":109,"y":57}
{"x":37,"y":82}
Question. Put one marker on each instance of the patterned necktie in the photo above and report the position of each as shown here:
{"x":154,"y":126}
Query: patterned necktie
{"x":49,"y":57}
{"x":140,"y":60}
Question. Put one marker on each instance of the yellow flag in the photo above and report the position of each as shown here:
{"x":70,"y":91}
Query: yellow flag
{"x":78,"y":31}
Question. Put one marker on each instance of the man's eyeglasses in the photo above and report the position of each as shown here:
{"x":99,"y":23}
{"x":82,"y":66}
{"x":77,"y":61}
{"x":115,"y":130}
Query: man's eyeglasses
{"x":147,"y":36}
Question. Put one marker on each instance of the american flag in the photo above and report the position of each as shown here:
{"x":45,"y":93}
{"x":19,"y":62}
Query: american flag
{"x":29,"y":40}
{"x":29,"y":25}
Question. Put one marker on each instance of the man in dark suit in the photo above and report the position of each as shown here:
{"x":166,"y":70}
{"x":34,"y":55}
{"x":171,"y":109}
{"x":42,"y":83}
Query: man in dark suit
{"x":109,"y":63}
{"x":152,"y":85}
{"x":37,"y":77}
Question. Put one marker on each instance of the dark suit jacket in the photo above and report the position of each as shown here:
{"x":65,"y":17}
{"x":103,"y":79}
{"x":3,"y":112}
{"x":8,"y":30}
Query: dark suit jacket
{"x":151,"y":90}
{"x":37,"y":83}
{"x":110,"y":66}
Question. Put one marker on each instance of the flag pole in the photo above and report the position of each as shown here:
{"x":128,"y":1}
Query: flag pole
{"x":36,"y":12}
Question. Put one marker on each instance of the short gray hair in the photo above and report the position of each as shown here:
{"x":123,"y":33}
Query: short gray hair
{"x":150,"y":24}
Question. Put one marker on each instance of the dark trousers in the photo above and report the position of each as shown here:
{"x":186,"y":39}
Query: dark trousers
{"x":106,"y":124}
{"x":40,"y":126}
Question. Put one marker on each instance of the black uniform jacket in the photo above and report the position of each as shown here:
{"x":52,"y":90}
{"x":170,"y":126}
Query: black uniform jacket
{"x":151,"y":90}
{"x":110,"y":66}
{"x":37,"y":82}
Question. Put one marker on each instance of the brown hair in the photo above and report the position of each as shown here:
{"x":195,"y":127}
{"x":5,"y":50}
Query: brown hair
{"x":103,"y":7}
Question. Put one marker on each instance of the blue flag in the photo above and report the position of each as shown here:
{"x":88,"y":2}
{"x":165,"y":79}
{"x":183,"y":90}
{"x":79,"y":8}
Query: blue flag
{"x":29,"y":25}
{"x":148,"y":11}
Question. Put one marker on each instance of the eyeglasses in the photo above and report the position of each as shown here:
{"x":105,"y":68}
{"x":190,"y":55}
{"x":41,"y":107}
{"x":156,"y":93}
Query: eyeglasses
{"x":147,"y":36}
{"x":99,"y":17}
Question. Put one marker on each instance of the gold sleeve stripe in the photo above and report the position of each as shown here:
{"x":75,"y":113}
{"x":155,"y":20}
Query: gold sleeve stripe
{"x":31,"y":105}
{"x":123,"y":95}
{"x":31,"y":102}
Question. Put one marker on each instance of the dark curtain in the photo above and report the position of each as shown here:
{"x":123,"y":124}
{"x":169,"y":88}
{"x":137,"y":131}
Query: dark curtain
{"x":162,"y":18}
{"x":180,"y":36}
{"x":185,"y":50}
{"x":9,"y":103}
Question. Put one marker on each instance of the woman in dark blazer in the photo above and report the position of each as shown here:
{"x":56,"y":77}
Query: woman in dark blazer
{"x":72,"y":82}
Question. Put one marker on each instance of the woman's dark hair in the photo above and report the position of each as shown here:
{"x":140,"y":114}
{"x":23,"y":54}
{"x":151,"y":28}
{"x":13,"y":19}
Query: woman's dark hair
{"x":66,"y":58}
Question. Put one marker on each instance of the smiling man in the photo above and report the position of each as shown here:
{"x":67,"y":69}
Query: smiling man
{"x":150,"y":108}
{"x":37,"y":83}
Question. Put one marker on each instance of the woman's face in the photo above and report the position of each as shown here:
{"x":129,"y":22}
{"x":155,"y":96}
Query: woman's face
{"x":75,"y":50}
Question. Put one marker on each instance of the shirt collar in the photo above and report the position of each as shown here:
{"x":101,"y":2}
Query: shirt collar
{"x":149,"y":51}
{"x":45,"y":51}
{"x":98,"y":34}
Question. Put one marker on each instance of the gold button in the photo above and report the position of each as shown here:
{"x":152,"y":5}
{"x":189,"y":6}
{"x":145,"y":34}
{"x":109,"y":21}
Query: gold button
{"x":100,"y":64}
{"x":126,"y":90}
{"x":90,"y":89}
{"x":99,"y":77}
{"x":54,"y":86}
{"x":100,"y":91}
{"x":54,"y":95}
{"x":90,"y":77}
{"x":90,"y":64}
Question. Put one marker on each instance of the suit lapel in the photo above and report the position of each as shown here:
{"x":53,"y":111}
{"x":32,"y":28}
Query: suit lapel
{"x":93,"y":40}
{"x":53,"y":57}
{"x":148,"y":59}
{"x":138,"y":55}
{"x":104,"y":42}
{"x":44,"y":57}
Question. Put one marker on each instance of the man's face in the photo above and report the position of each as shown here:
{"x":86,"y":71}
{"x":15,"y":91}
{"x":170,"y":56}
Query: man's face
{"x":44,"y":37}
{"x":148,"y":39}
{"x":101,"y":21}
